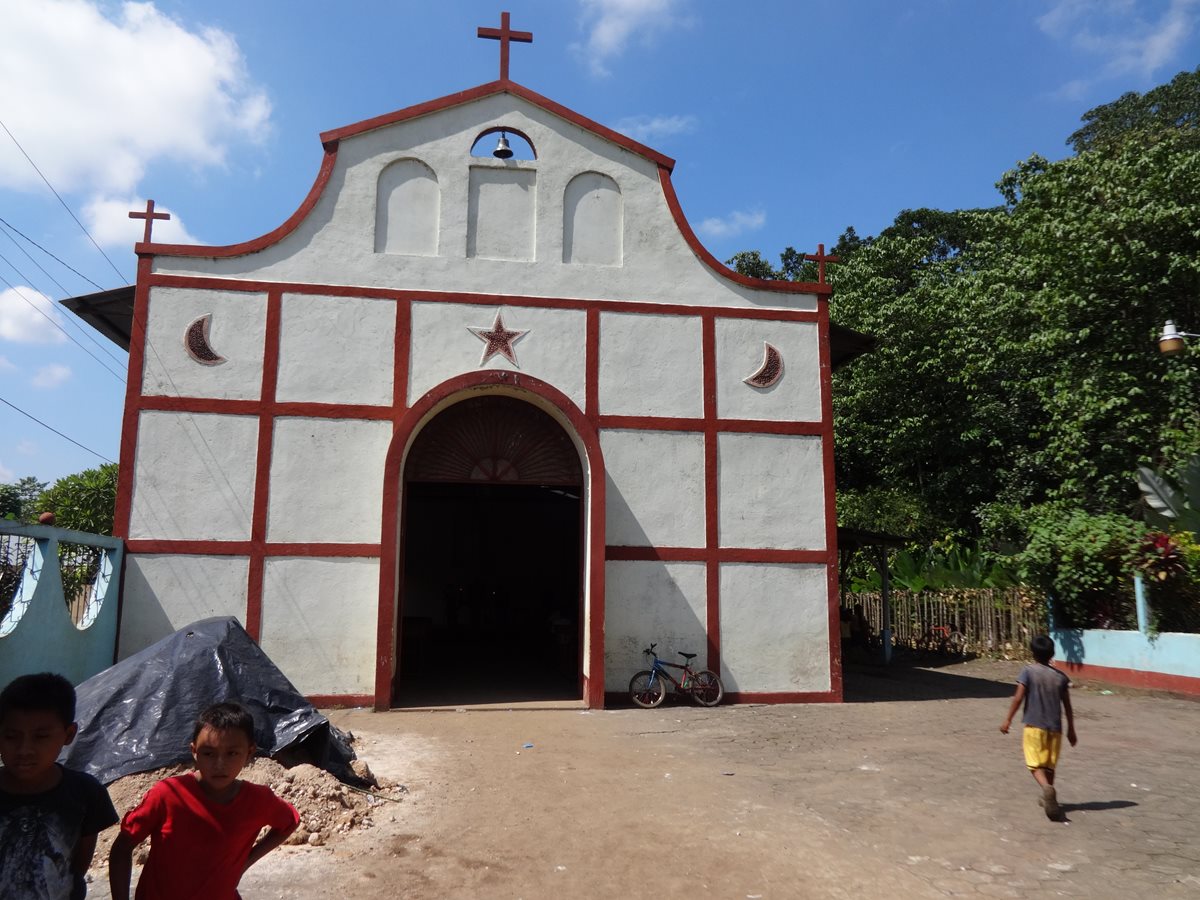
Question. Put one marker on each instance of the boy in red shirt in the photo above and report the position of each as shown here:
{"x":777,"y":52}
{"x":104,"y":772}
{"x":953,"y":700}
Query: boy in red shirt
{"x":202,"y":825}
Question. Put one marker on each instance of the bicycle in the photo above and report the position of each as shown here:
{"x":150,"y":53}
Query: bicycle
{"x":648,"y":687}
{"x":943,"y":639}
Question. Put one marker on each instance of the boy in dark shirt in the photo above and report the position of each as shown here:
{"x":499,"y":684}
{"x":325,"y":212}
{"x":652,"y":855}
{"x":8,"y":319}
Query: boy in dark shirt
{"x":1046,"y":694}
{"x":49,"y":815}
{"x":203,"y":826}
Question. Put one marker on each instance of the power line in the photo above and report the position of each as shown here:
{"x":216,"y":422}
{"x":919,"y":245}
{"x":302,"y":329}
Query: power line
{"x":85,"y":332}
{"x":61,"y":200}
{"x":12,"y":227}
{"x":49,"y":319}
{"x":55,"y":430}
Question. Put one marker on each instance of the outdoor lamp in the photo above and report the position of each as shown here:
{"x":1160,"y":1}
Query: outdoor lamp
{"x":1171,"y":341}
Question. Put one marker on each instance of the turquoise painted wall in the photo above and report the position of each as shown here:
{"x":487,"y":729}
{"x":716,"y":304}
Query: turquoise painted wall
{"x":1167,"y":653}
{"x":38,"y":635}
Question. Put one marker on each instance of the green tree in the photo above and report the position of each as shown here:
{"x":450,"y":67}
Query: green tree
{"x":10,"y":502}
{"x":1173,"y":106}
{"x":85,"y":501}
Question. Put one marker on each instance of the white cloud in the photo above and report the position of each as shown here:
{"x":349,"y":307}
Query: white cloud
{"x":1118,"y":33}
{"x":7,"y":475}
{"x":7,"y":365}
{"x":733,"y":224}
{"x":653,"y":128}
{"x":50,"y":376}
{"x":108,"y":221}
{"x":26,"y":447}
{"x":612,"y":24}
{"x":105,"y":89}
{"x":26,"y":316}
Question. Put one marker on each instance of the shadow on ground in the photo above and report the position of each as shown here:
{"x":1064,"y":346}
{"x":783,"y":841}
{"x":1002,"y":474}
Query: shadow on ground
{"x":867,"y":683}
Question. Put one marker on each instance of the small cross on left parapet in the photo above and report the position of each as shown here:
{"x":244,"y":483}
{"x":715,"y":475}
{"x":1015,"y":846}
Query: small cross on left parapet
{"x":149,"y":215}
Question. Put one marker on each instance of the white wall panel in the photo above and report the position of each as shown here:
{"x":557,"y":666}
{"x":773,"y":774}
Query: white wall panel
{"x":236,"y":332}
{"x":794,"y":397}
{"x":651,"y":602}
{"x":771,"y":491}
{"x":774,"y":627}
{"x":327,"y":480}
{"x":655,"y":488}
{"x":551,"y":350}
{"x":319,"y":622}
{"x":336,"y":350}
{"x":162,"y":593}
{"x":194,"y":477}
{"x":651,"y":366}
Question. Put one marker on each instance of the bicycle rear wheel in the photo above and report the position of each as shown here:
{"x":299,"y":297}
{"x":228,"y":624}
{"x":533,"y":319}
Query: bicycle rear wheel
{"x":707,"y":689}
{"x":646,"y":689}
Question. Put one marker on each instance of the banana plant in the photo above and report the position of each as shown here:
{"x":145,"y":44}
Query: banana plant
{"x":1172,"y":505}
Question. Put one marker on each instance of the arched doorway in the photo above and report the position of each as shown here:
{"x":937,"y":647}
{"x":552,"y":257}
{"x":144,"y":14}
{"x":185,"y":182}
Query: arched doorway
{"x":492,"y":558}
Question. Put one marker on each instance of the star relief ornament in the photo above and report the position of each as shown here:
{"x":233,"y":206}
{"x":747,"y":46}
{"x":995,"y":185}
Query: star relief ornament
{"x":498,"y":340}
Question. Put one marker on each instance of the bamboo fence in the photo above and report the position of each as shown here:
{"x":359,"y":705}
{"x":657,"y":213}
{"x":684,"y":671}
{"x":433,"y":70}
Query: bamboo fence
{"x":993,"y":622}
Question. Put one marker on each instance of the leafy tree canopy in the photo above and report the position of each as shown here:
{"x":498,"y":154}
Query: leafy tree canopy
{"x":85,"y":501}
{"x":1171,"y":106}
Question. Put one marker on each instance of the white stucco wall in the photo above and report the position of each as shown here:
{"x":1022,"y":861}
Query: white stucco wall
{"x":194,"y":476}
{"x":651,"y":602}
{"x":795,"y":397}
{"x":336,"y":350}
{"x":774,"y":627}
{"x":771,"y":491}
{"x":443,"y":346}
{"x":327,"y":480}
{"x":336,"y":243}
{"x":319,"y":622}
{"x":655,"y":488}
{"x":651,"y":365}
{"x":162,"y":593}
{"x":235,"y":332}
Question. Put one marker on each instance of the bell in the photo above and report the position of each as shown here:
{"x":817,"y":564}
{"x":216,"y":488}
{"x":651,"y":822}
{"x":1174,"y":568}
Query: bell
{"x":502,"y":151}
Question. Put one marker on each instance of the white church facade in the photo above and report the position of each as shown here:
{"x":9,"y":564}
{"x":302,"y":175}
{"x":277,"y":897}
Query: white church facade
{"x":497,"y":416}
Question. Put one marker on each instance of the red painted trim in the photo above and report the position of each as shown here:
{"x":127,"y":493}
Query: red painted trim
{"x":716,"y":555}
{"x":391,"y":599}
{"x":774,"y":314}
{"x":267,"y":407}
{"x":762,"y":284}
{"x":339,"y":701}
{"x":400,"y":355}
{"x":1137,"y":678}
{"x":246,"y":548}
{"x":592,"y":366}
{"x":133,"y":393}
{"x":258,"y":243}
{"x":712,"y":573}
{"x":262,"y":467}
{"x":488,"y":90}
{"x":742,"y":426}
{"x":830,"y":481}
{"x":497,"y":129}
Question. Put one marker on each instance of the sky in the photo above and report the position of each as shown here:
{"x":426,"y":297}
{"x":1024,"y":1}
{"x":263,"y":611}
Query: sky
{"x":789,"y":121}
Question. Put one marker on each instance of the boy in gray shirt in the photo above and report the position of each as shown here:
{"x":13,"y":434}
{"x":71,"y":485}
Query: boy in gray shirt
{"x":1045,"y":692}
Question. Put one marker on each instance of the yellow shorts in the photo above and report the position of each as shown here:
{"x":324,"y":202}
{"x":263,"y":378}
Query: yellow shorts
{"x":1041,"y":747}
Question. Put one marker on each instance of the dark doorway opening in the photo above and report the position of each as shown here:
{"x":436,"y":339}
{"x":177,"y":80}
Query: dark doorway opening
{"x":492,"y":587}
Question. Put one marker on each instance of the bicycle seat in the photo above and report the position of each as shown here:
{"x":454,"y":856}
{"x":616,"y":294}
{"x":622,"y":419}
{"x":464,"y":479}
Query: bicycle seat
{"x":687,"y":655}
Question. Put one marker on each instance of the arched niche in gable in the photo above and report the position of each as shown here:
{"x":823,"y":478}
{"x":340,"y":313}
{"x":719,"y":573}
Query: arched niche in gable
{"x":593,"y":220}
{"x":407,"y":209}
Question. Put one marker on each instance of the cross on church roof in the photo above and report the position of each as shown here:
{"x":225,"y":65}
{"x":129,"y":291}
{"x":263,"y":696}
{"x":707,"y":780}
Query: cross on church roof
{"x":504,"y":34}
{"x":149,"y":215}
{"x":820,"y":258}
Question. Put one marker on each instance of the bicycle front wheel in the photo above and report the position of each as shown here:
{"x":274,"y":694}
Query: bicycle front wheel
{"x":707,"y":689}
{"x":646,"y":689}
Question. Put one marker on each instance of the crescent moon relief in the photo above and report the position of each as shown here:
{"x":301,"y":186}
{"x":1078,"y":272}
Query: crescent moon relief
{"x":770,"y":371}
{"x":195,"y":342}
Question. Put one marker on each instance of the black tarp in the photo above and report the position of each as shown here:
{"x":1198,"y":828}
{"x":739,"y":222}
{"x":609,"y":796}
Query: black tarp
{"x":139,"y":714}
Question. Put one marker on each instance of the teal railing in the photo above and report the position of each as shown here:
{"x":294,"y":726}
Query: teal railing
{"x":58,"y":601}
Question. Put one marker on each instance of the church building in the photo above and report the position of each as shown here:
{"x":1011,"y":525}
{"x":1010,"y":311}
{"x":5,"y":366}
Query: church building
{"x":484,"y":424}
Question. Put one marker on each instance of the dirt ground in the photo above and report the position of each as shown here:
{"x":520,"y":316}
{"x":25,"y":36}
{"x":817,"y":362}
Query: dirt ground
{"x":907,"y":790}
